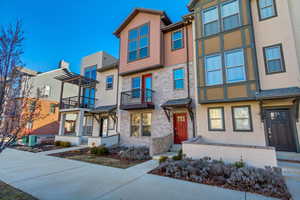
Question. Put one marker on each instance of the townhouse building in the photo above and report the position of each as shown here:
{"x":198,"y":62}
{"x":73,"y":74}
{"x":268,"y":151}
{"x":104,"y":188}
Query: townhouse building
{"x":224,"y":82}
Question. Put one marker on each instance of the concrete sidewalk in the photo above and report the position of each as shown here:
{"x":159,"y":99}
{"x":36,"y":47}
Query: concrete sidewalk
{"x":51,"y":178}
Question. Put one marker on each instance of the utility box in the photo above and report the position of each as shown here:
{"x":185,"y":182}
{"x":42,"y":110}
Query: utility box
{"x":32,"y":140}
{"x":25,"y":140}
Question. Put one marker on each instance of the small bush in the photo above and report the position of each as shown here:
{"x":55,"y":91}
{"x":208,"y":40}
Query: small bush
{"x":57,"y":143}
{"x":162,"y":159}
{"x":178,"y":156}
{"x":99,"y":151}
{"x":240,"y":164}
{"x":65,"y":144}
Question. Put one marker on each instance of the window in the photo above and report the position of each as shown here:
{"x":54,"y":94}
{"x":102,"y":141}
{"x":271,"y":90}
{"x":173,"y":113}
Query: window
{"x":136,"y":86}
{"x":111,"y":123}
{"x":109,"y":82}
{"x":135,"y":124}
{"x":230,"y":15}
{"x":242,"y":118}
{"x":210,"y":19}
{"x":274,"y":60}
{"x":177,"y":40}
{"x":213,"y":67}
{"x":52,"y":108}
{"x":141,"y":124}
{"x":32,"y":106}
{"x":138,"y":43}
{"x":146,"y":124}
{"x":91,"y":72}
{"x":45,"y":91}
{"x":216,"y":119}
{"x":235,"y":67}
{"x":178,"y":76}
{"x":267,"y":9}
{"x":29,"y":125}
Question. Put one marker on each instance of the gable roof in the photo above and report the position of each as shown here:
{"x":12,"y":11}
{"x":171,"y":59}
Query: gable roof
{"x":163,"y":15}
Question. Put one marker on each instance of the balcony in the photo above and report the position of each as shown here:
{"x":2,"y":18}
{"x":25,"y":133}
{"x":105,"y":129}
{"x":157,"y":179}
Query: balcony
{"x":137,"y":99}
{"x":77,"y":102}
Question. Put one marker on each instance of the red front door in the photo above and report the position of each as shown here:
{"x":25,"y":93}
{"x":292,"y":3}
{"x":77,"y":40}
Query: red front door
{"x":180,"y":128}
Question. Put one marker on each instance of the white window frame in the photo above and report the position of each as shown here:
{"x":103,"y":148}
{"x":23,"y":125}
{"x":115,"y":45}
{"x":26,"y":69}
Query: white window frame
{"x":222,"y":18}
{"x":230,"y":67}
{"x":220,"y":69}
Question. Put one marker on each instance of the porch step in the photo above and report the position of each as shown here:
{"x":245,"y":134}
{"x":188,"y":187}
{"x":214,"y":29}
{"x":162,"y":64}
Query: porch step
{"x":290,"y":170}
{"x":175,"y":148}
{"x":288,"y":156}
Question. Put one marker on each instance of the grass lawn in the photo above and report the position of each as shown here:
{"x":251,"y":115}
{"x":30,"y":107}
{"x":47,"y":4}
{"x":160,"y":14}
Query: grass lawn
{"x":111,"y":160}
{"x":8,"y":192}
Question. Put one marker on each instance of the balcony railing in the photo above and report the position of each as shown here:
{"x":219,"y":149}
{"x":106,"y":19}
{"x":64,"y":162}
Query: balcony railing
{"x":137,"y":99}
{"x":75,"y":102}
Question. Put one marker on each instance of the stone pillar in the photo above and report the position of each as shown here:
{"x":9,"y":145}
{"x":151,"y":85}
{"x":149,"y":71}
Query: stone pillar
{"x":96,"y":128}
{"x":62,"y":124}
{"x":79,"y":123}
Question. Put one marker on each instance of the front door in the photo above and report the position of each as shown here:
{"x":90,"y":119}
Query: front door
{"x":147,"y":88}
{"x":103,"y":127}
{"x":279,"y":130}
{"x":180,"y":128}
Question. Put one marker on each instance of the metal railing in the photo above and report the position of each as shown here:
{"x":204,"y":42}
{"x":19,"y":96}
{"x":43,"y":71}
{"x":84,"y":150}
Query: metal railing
{"x":75,"y":102}
{"x":137,"y":96}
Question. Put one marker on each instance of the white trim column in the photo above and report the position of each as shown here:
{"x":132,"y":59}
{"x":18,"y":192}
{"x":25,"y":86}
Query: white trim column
{"x":62,"y":124}
{"x":79,"y":123}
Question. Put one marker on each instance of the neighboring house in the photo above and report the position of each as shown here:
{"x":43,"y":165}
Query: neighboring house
{"x":47,"y":122}
{"x":90,"y":116}
{"x":247,"y":78}
{"x":224,"y":82}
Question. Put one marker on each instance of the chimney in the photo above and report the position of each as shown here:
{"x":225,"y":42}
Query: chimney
{"x":63,"y":64}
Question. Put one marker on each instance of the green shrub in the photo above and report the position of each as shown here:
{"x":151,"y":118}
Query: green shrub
{"x":65,"y":144}
{"x":178,"y":156}
{"x":99,"y":151}
{"x":162,"y":159}
{"x":57,"y":143}
{"x":240,"y":164}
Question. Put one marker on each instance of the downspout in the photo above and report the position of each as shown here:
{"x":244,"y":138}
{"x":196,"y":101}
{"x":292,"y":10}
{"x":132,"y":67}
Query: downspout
{"x":117,"y":96}
{"x":186,"y":23}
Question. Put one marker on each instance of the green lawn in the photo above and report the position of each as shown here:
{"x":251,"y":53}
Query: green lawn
{"x":8,"y":192}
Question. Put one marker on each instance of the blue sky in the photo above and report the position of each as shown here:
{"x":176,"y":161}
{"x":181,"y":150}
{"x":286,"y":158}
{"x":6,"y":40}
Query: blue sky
{"x":72,"y":29}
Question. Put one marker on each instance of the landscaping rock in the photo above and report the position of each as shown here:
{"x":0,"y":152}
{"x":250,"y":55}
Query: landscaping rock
{"x":268,"y":181}
{"x":135,"y":153}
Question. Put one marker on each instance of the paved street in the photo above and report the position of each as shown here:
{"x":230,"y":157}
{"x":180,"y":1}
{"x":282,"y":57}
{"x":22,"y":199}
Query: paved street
{"x":51,"y":178}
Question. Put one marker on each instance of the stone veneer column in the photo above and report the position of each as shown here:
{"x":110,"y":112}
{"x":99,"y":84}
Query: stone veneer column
{"x":96,"y":128}
{"x":79,"y":123}
{"x":62,"y":124}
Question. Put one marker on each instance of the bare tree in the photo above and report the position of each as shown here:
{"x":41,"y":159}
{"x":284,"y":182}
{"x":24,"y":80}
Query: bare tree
{"x":17,"y":106}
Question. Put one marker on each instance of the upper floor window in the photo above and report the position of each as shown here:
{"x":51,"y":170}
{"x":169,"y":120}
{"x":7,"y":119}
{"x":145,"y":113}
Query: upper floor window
{"x":136,"y":86}
{"x":52,"y":108}
{"x":274,"y":60}
{"x":109,"y":82}
{"x":230,"y":15}
{"x":213,"y":68}
{"x":210,"y":21}
{"x":177,"y":40}
{"x":45,"y":91}
{"x":178,"y":76}
{"x":235,"y":67}
{"x":138,"y":43}
{"x":267,"y":9}
{"x":91,"y":72}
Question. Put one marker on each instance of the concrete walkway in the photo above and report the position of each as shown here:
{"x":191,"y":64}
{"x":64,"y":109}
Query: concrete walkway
{"x":51,"y":178}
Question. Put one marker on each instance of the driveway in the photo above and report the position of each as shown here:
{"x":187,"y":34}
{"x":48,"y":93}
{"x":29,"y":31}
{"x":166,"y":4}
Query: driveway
{"x":51,"y":178}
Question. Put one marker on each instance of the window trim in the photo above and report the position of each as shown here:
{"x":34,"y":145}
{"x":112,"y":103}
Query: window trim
{"x":110,"y":119}
{"x":128,"y":41}
{"x":221,"y":69}
{"x":218,"y":20}
{"x":174,"y":88}
{"x":282,"y":59}
{"x":250,"y":118}
{"x":112,"y":83}
{"x":225,"y":66}
{"x":259,"y":9}
{"x":182,"y":39}
{"x":239,"y":14}
{"x":209,"y":122}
